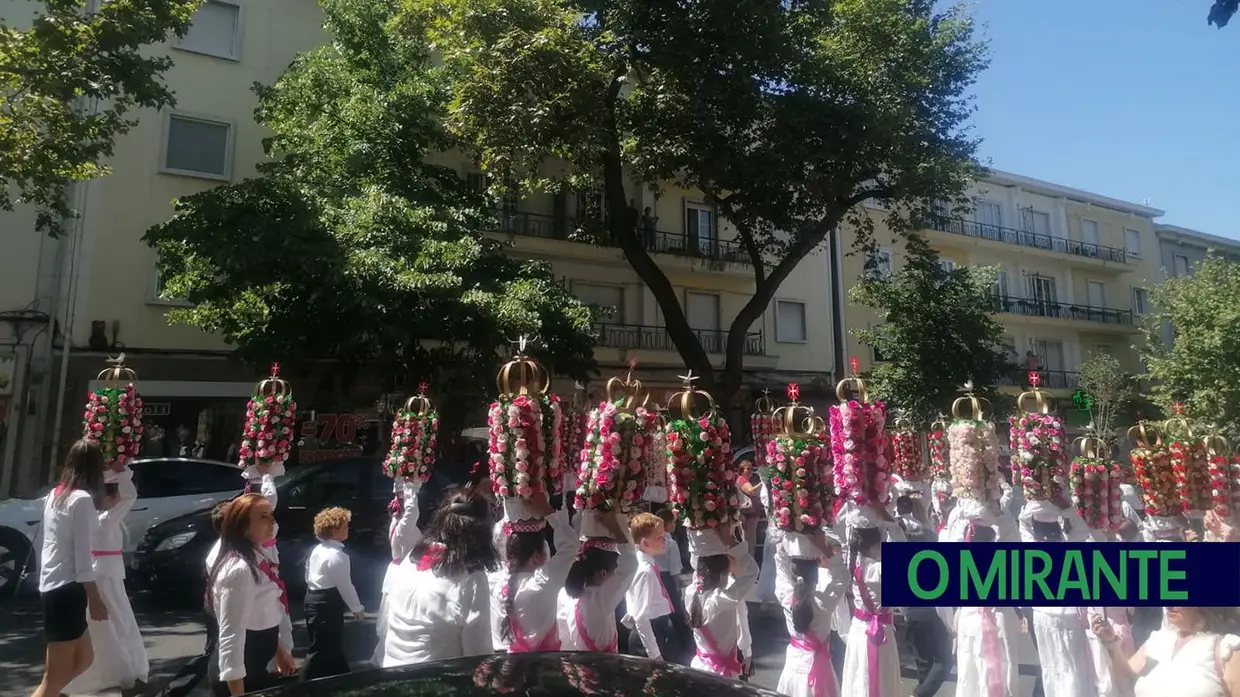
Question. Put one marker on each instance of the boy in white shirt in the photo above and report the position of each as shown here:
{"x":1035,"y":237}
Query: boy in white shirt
{"x":648,"y":601}
{"x":329,"y":594}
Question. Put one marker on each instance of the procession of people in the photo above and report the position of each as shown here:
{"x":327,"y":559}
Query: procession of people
{"x":501,"y":568}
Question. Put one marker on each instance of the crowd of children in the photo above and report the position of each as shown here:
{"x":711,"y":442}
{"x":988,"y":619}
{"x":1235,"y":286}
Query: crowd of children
{"x":452,"y":591}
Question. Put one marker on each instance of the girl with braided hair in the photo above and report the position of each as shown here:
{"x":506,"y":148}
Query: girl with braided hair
{"x":524,"y":600}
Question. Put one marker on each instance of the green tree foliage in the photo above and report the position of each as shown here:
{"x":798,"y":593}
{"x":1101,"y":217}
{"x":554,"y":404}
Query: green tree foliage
{"x":1222,"y":11}
{"x":349,"y":246}
{"x":786,"y":115}
{"x":938,"y":332}
{"x":68,"y":84}
{"x":1109,"y":390}
{"x":1202,"y":364}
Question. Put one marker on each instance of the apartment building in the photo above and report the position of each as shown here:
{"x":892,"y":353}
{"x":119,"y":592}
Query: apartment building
{"x":1074,"y":271}
{"x":97,"y":293}
{"x":1180,"y":249}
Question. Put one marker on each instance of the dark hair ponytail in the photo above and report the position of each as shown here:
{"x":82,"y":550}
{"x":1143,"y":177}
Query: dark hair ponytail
{"x":590,"y":562}
{"x":805,"y":571}
{"x":709,"y":577}
{"x":82,"y":471}
{"x":520,"y":549}
{"x":458,"y":539}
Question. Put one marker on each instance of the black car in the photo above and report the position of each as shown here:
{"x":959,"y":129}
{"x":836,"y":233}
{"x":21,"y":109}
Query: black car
{"x":530,"y":674}
{"x":171,"y":558}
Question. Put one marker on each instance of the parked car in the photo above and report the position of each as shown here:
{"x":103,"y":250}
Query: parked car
{"x":167,"y":487}
{"x":170,"y":560}
{"x":544,"y":674}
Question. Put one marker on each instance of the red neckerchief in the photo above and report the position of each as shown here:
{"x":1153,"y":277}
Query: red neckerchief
{"x":266,"y":567}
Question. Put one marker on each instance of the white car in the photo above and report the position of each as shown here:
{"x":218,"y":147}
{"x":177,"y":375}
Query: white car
{"x":167,"y":487}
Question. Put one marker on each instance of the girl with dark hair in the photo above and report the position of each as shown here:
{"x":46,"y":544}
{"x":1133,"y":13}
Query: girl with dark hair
{"x":1062,"y":634}
{"x":259,"y":480}
{"x":987,"y":660}
{"x":1195,"y":656}
{"x":249,"y":601}
{"x":438,"y":602}
{"x":808,"y":589}
{"x":871,"y":659}
{"x":720,"y":584}
{"x":120,"y":653}
{"x":601,"y":573}
{"x":66,"y":573}
{"x":524,"y":601}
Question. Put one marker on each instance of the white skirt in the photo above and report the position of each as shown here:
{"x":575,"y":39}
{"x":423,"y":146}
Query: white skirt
{"x":798,"y":666}
{"x":973,"y":666}
{"x":856,"y":680}
{"x":120,"y":654}
{"x":1064,"y":652}
{"x":381,"y":626}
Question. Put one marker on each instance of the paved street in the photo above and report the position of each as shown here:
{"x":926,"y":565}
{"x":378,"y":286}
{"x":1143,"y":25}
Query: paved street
{"x":174,"y":637}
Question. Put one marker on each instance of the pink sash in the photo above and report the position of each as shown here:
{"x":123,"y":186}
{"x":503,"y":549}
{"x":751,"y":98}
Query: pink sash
{"x":269,"y":570}
{"x":719,"y":662}
{"x":821,"y":673}
{"x":519,"y":644}
{"x":875,"y":633}
{"x":585,"y":635}
{"x":994,"y":658}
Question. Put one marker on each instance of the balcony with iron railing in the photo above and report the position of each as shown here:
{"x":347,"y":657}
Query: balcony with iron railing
{"x":1044,"y":308}
{"x":638,"y":336}
{"x":1051,"y":379}
{"x":1023,"y":238}
{"x":557,"y":227}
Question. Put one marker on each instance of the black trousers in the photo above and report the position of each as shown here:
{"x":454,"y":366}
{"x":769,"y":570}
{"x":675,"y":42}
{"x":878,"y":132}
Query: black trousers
{"x":325,"y":626}
{"x":933,"y":644}
{"x":260,"y":649}
{"x":665,"y":634}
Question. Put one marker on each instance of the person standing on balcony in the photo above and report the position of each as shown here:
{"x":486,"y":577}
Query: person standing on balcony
{"x":650,"y":227}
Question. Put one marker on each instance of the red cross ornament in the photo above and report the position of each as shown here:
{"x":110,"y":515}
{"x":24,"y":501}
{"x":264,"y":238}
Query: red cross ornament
{"x":1178,"y":408}
{"x":424,"y":387}
{"x":854,"y":365}
{"x":1034,"y":379}
{"x":275,"y":370}
{"x":794,"y":391}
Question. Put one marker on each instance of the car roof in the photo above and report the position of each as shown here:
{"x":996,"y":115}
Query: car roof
{"x":178,"y":460}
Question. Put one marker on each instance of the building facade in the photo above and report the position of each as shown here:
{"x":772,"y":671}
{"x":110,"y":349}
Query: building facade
{"x":67,"y":305}
{"x":1073,"y":272}
{"x":1181,"y":249}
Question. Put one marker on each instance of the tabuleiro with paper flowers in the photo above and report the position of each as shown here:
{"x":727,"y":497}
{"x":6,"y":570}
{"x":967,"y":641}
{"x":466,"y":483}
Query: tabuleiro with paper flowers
{"x":1218,"y":456}
{"x":701,"y":476}
{"x":1095,"y":483}
{"x":113,"y":416}
{"x":859,"y":444}
{"x":802,"y":480}
{"x":908,"y":460}
{"x":415,"y":434}
{"x":525,"y":431}
{"x":619,"y":435}
{"x":1160,"y":492}
{"x":1036,"y":437}
{"x":973,"y":451}
{"x":1189,"y":462}
{"x":762,"y":427}
{"x":270,"y":427}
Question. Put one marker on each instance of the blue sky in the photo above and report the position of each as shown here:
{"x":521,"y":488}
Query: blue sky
{"x":1126,"y":98}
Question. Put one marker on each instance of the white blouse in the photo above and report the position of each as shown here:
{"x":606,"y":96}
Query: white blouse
{"x":328,"y":568}
{"x":110,"y":537}
{"x":69,"y":524}
{"x":432,"y":618}
{"x":646,"y":600}
{"x":403,"y":532}
{"x":1196,"y":670}
{"x":535,"y":593}
{"x":719,"y":606}
{"x":833,"y":580}
{"x":598,"y":608}
{"x":245,"y":603}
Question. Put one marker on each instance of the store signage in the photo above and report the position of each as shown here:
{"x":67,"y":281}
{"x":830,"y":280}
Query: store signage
{"x":156,"y":408}
{"x":326,"y":428}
